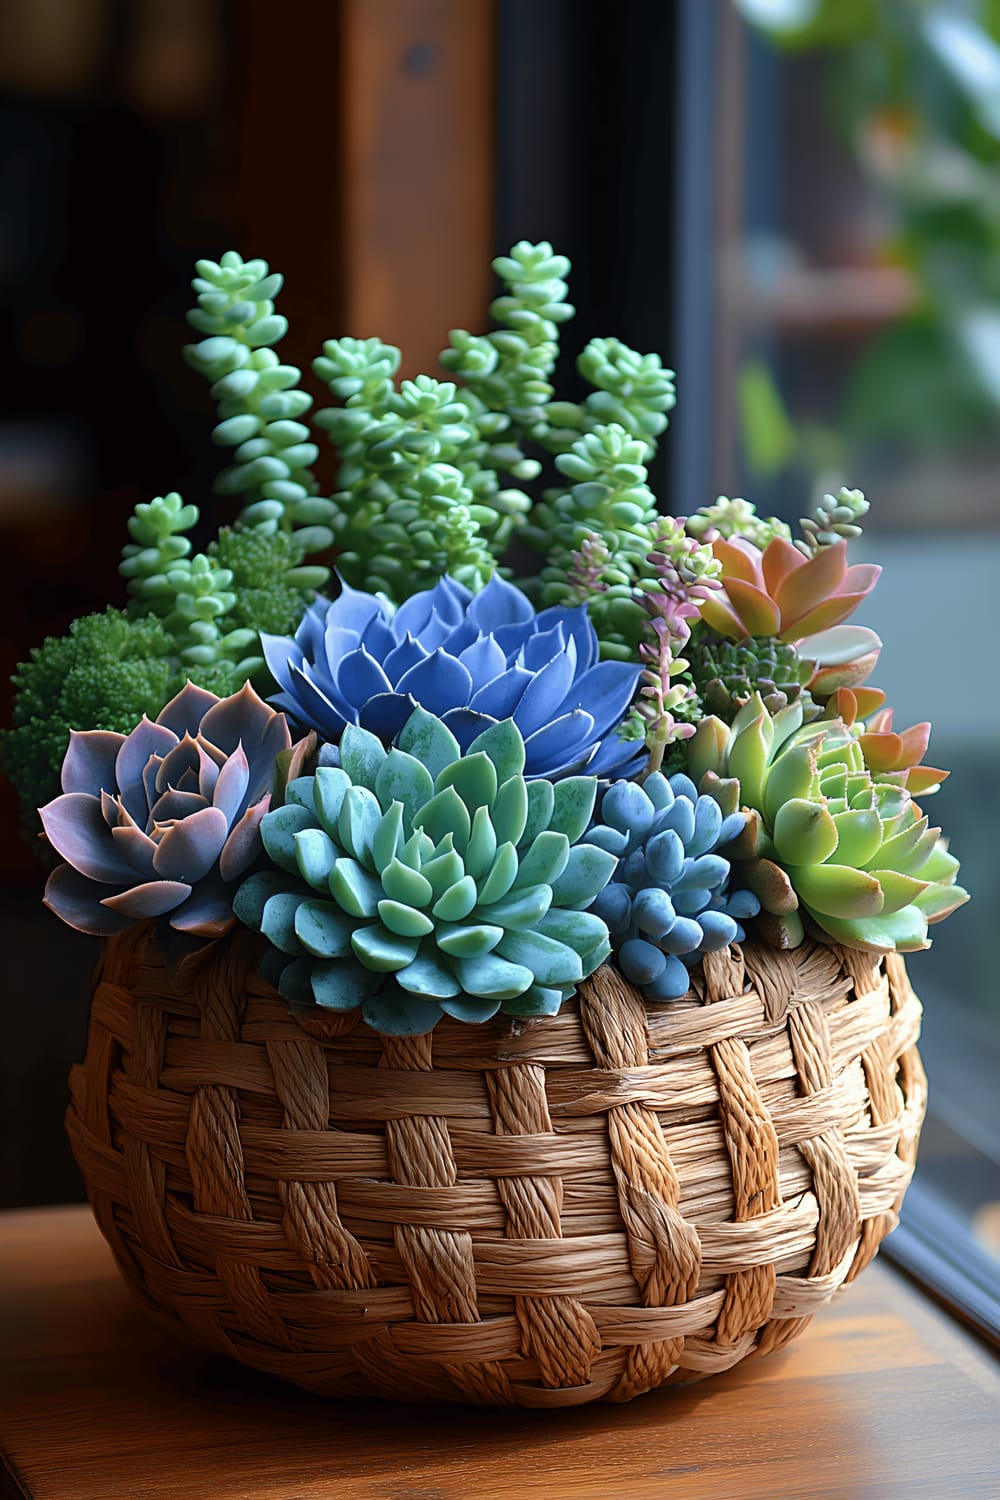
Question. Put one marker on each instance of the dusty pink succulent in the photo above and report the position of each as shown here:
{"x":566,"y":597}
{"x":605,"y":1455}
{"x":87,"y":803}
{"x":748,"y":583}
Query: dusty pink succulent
{"x":780,"y":593}
{"x":159,"y":822}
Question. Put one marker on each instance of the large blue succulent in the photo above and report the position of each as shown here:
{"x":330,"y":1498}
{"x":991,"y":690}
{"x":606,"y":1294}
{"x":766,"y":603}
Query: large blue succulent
{"x":669,"y":900}
{"x":471,"y":660}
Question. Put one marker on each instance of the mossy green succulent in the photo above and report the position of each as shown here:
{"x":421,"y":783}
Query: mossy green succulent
{"x":271,"y":584}
{"x":417,"y":882}
{"x":105,"y":673}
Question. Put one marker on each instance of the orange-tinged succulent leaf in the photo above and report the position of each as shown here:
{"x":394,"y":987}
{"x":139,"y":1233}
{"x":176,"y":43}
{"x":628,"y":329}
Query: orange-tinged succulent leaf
{"x":883,"y":751}
{"x":868,"y":700}
{"x":857,"y":703}
{"x":828,"y":679}
{"x":771,"y":885}
{"x":915,"y":741}
{"x":739,"y":559}
{"x":725,"y":790}
{"x":779,"y":562}
{"x":921,"y":781}
{"x":755,"y":609}
{"x":825,"y":614}
{"x":802,"y":589}
{"x":749,"y":843}
{"x":860,"y":578}
{"x":782,"y":932}
{"x":721,"y":617}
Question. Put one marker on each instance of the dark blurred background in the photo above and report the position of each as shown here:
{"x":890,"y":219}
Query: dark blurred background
{"x":795,"y":202}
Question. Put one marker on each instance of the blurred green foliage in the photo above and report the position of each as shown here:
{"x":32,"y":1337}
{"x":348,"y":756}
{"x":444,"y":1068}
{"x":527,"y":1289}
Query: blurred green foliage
{"x":914,"y":94}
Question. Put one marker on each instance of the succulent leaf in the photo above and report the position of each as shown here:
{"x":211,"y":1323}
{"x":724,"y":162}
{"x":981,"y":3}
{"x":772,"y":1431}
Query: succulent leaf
{"x":437,"y":897}
{"x":669,"y":898}
{"x":797,"y":598}
{"x":160,"y":821}
{"x":471,"y":662}
{"x":840,"y":840}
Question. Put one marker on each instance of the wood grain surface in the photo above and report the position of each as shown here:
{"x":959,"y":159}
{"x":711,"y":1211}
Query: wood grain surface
{"x":415,"y":108}
{"x":881,"y":1397}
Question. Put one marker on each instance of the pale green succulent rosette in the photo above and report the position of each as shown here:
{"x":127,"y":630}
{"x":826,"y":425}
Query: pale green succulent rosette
{"x":828,"y":841}
{"x":417,"y":882}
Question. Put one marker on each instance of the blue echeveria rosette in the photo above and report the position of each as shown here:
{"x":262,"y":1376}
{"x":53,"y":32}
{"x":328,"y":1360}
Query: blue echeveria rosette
{"x":472,"y":660}
{"x":419,"y":882}
{"x":669,"y":900}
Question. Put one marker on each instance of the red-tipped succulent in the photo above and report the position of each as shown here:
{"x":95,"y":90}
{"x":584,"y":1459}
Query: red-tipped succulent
{"x":160,"y":822}
{"x":894,"y":755}
{"x":781,"y":594}
{"x":890,"y":755}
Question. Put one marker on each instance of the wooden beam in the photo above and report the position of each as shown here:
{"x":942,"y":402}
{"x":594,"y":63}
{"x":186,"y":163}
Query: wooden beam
{"x":416,"y":170}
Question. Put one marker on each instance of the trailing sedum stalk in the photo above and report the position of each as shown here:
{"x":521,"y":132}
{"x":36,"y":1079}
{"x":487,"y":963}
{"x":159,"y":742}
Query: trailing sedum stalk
{"x":212,"y":613}
{"x":260,"y":403}
{"x":405,"y":513}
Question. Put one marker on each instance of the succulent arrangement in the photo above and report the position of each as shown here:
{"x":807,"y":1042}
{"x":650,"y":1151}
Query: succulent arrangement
{"x":437,"y":790}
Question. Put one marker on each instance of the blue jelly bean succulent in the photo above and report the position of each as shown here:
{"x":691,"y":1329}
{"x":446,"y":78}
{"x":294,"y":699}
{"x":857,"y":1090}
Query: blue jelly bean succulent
{"x":419,"y":882}
{"x":472,"y":661}
{"x":669,"y":900}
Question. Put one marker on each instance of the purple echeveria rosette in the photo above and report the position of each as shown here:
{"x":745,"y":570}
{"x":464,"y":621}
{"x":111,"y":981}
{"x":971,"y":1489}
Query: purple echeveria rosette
{"x":162,"y":821}
{"x":471,"y":660}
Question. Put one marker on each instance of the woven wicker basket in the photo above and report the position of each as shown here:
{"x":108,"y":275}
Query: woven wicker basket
{"x":538,"y":1214}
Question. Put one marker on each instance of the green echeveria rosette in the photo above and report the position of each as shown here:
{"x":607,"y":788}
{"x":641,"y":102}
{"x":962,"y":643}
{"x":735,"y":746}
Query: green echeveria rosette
{"x":419,"y":882}
{"x":669,"y":900}
{"x":828,"y":840}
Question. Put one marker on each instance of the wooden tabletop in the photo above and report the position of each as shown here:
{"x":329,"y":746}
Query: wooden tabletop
{"x":883,"y":1396}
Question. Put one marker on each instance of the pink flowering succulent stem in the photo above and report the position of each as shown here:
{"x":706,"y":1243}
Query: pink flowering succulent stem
{"x":670,"y":603}
{"x":585,"y":577}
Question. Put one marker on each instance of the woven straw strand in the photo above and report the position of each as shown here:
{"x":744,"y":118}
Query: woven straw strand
{"x":577,"y":1208}
{"x":438,"y":1261}
{"x":664,"y":1250}
{"x":557,"y":1331}
{"x":213,"y":1148}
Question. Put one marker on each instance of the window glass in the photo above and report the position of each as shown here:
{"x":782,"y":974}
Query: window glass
{"x":859,"y":344}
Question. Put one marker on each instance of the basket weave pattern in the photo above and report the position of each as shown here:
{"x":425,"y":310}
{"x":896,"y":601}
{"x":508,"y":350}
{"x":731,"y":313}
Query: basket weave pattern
{"x":542,"y":1214}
